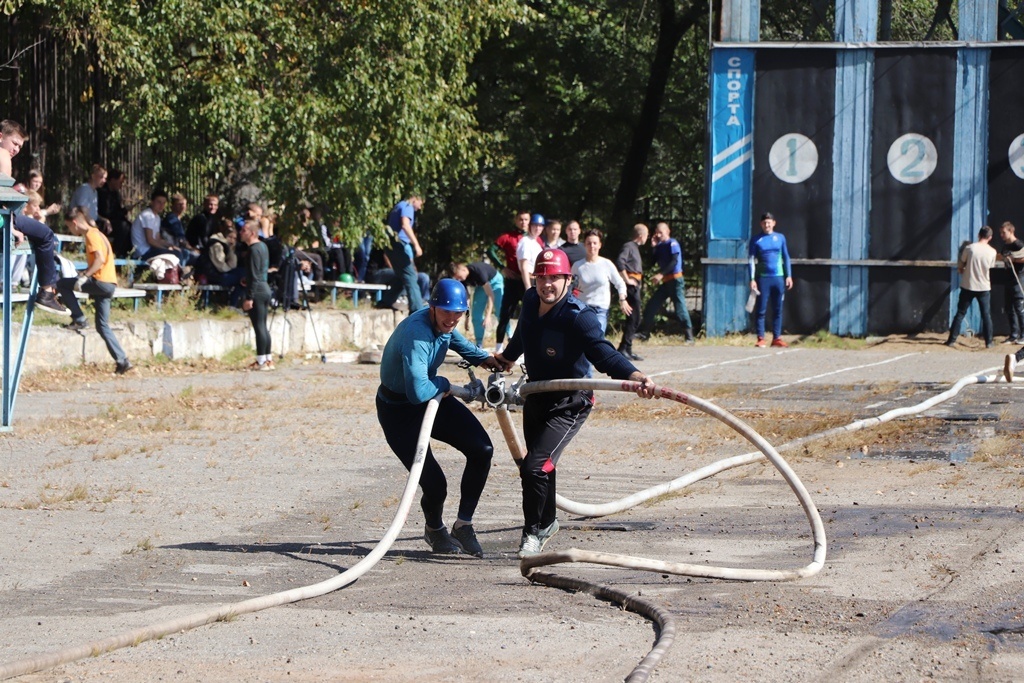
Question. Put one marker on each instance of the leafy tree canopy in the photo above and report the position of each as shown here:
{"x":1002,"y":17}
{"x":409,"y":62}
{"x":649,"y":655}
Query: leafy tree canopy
{"x":350,"y":104}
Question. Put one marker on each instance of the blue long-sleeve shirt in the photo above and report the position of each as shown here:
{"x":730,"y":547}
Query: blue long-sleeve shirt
{"x":769,"y":256}
{"x":413,"y":354}
{"x":559,"y":344}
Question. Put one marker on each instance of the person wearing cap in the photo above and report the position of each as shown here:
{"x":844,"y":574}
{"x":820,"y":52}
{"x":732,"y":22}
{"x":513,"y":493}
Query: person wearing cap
{"x":771,"y":274}
{"x":669,"y":257}
{"x":408,"y":380}
{"x":559,"y":336}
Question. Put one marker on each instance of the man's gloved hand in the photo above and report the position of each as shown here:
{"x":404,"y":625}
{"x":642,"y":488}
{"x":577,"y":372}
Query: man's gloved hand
{"x":79,"y":282}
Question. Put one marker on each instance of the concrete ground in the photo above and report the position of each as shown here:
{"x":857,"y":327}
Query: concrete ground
{"x":125,"y":501}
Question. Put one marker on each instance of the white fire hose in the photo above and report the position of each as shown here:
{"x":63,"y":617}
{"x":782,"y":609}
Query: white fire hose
{"x":500,"y":398}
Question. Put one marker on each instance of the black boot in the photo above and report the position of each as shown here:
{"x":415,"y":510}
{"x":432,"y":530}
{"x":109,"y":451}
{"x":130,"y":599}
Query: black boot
{"x":689,"y":336}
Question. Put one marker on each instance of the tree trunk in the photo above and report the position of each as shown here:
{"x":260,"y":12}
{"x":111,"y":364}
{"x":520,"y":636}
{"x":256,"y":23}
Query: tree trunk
{"x":671,"y":30}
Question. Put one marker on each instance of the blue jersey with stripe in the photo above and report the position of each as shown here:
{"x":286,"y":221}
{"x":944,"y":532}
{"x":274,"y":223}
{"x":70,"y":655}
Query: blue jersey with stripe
{"x":769,"y":256}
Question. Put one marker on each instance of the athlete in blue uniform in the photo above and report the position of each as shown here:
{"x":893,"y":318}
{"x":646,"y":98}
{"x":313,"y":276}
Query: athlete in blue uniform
{"x":558,"y":334}
{"x":771,"y":274}
{"x":408,"y":380}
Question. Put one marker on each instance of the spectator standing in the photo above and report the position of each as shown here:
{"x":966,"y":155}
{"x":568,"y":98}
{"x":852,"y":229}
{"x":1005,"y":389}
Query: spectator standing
{"x":405,"y":249}
{"x":40,"y":237}
{"x":257,"y":293}
{"x":595,"y":277}
{"x":98,"y":281}
{"x":204,"y":224}
{"x":1013,"y":257}
{"x":668,"y":256}
{"x":87,"y":194}
{"x":974,"y":264}
{"x":529,"y":249}
{"x":408,"y":380}
{"x":112,"y":210}
{"x":558,"y":334}
{"x":488,"y":287}
{"x":771,"y":276}
{"x":508,"y":243}
{"x":552,"y":237}
{"x":631,"y":268}
{"x":572,"y":246}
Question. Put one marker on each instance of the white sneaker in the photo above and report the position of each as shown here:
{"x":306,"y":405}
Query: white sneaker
{"x":531,"y":544}
{"x":1009,"y":365}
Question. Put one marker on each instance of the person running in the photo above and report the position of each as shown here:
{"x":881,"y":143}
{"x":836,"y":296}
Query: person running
{"x":560,"y":336}
{"x":257,"y":292}
{"x":408,"y":381}
{"x":771,"y":276}
{"x":98,"y":281}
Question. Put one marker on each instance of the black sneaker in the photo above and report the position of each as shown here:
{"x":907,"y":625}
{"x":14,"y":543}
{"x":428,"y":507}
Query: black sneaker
{"x":123,"y":367}
{"x":76,"y":325}
{"x":440,"y":541}
{"x":48,"y":300}
{"x":632,"y":356}
{"x":467,"y":539}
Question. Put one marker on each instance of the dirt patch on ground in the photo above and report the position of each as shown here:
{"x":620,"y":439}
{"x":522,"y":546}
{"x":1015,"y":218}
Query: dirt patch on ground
{"x":127,"y":501}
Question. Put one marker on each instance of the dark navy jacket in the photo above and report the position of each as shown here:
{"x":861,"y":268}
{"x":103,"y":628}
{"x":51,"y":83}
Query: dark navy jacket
{"x":558,"y":345}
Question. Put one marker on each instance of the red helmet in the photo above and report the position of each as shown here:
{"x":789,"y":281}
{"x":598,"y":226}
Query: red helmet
{"x":552,"y":262}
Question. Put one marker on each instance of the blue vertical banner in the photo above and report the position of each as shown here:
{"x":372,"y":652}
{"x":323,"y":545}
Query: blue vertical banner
{"x":732,"y":142}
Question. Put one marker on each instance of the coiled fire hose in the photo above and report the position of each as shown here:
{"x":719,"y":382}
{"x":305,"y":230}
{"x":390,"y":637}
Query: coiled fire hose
{"x":666,"y":624}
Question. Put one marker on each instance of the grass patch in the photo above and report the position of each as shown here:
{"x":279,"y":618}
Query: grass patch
{"x":823,"y":339}
{"x":1001,"y":451}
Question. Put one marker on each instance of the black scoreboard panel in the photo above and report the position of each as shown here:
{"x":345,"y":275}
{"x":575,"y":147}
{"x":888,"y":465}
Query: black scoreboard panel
{"x":1006,"y":139}
{"x":912,"y":207}
{"x":795,"y":94}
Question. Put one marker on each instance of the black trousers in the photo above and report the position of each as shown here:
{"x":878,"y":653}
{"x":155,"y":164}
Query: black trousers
{"x":454,"y":425}
{"x":512,"y":297}
{"x":632,"y":323}
{"x":258,"y":317}
{"x":550,"y":421}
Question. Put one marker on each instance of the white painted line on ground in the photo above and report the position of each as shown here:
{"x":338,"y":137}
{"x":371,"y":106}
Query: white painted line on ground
{"x":759,"y":356}
{"x":836,"y":372}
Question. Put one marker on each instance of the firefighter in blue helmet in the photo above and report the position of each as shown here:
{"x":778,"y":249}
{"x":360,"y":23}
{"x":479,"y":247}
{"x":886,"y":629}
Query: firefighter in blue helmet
{"x":560,"y":337}
{"x":408,"y":380}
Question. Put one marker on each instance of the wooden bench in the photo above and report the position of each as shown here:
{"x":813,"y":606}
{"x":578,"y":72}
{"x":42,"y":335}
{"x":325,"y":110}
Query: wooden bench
{"x":159,"y":289}
{"x":354,"y":287}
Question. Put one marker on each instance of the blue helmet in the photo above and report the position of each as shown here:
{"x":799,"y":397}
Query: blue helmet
{"x":449,"y":295}
{"x":537,"y":219}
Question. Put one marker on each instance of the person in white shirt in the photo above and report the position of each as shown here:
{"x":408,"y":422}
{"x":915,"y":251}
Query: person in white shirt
{"x":596,"y":276}
{"x":976,"y":259}
{"x":529,"y":249}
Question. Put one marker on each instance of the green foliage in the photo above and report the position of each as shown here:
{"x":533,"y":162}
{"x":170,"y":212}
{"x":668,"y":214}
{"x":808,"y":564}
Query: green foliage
{"x":348,"y":104}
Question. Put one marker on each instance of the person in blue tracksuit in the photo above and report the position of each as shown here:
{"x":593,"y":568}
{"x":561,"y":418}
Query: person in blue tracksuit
{"x":408,"y":380}
{"x":771,"y":274}
{"x":558,"y":334}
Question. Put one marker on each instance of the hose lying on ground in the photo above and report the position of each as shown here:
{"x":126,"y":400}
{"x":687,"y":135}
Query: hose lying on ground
{"x":666,"y":624}
{"x":225,"y":612}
